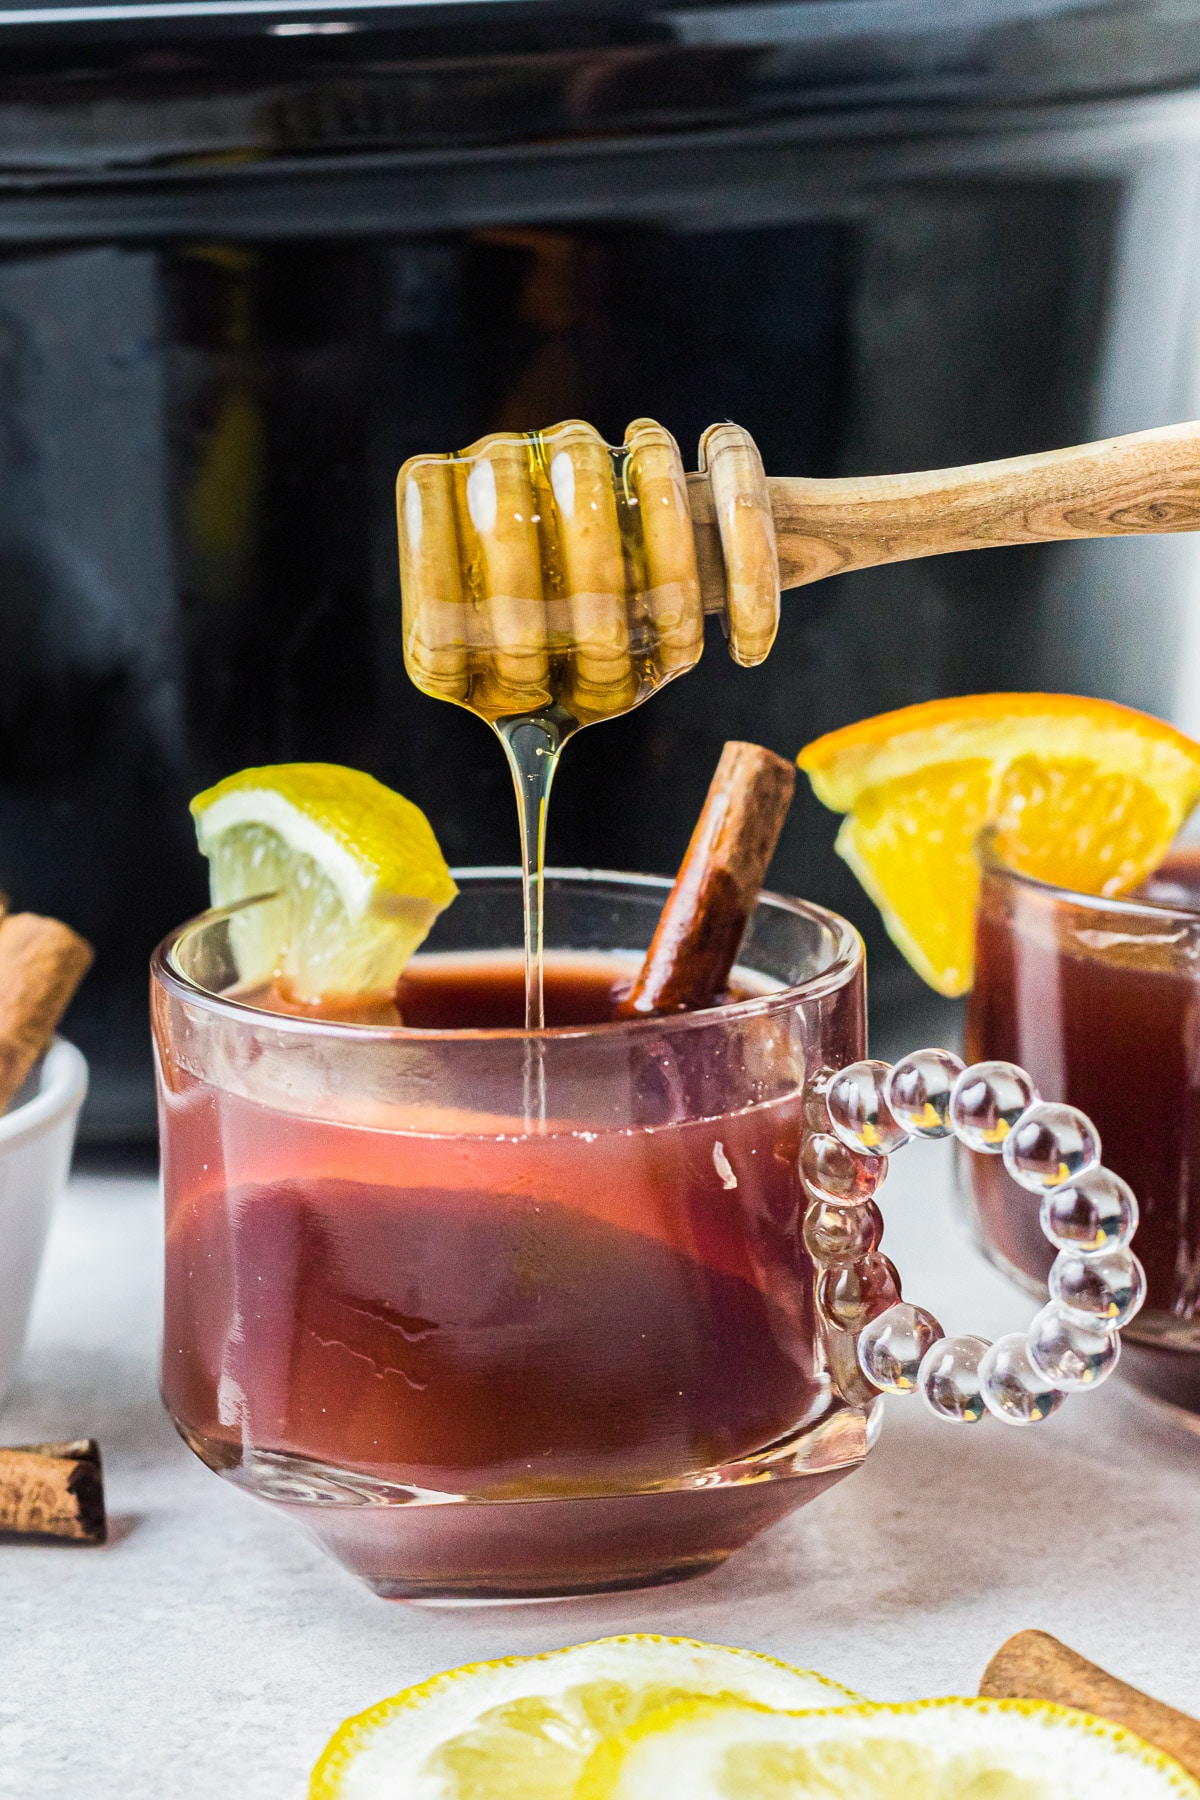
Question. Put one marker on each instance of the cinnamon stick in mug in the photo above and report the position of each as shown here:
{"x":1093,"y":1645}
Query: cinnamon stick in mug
{"x":42,"y":962}
{"x":700,"y":930}
{"x":1035,"y":1666}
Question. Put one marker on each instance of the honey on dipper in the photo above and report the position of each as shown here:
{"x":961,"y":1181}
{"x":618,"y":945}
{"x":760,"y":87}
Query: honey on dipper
{"x":550,"y":581}
{"x":550,"y":571}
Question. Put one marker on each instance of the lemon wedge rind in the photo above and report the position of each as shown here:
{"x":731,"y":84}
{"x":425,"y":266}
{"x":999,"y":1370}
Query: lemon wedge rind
{"x":351,"y":874}
{"x":375,"y":846}
{"x":360,"y":876}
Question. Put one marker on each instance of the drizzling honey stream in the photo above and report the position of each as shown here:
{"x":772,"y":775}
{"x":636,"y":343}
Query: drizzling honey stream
{"x":550,"y":581}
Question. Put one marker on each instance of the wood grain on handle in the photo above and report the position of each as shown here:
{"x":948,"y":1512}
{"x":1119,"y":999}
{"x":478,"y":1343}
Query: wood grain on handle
{"x":1147,"y":482}
{"x":1035,"y":1666}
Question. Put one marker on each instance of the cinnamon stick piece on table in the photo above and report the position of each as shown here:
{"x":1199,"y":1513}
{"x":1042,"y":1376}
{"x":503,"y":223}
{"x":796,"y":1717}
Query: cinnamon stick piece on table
{"x":53,"y":1490}
{"x":42,"y":962}
{"x":1035,"y":1666}
{"x":700,"y":929}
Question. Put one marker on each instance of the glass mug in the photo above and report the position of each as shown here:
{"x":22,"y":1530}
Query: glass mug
{"x":499,"y":1313}
{"x":1099,"y":999}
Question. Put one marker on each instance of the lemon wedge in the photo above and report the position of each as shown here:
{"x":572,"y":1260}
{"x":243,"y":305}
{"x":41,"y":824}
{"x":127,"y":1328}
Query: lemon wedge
{"x":1082,"y":793}
{"x":523,"y":1728}
{"x":359,"y":873}
{"x":929,"y":1750}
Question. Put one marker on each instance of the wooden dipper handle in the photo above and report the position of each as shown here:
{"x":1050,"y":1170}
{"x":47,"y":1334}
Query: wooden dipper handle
{"x":1035,"y":1666}
{"x":1146,"y":482}
{"x":700,"y":929}
{"x":41,"y":964}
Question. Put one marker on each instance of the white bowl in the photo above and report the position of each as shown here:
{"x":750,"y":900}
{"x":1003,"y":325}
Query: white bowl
{"x":36,"y":1138}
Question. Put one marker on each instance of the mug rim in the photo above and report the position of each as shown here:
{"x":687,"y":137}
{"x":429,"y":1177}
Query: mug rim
{"x":849,"y":956}
{"x":992,"y":863}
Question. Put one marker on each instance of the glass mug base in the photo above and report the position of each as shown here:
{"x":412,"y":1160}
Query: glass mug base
{"x":1168,"y":1376}
{"x":414,"y":1545}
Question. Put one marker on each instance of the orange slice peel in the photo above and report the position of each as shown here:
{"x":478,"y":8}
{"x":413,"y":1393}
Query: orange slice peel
{"x":1082,"y":793}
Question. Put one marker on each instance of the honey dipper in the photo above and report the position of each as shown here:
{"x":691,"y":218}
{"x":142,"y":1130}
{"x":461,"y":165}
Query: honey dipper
{"x":549,"y":580}
{"x":552,"y":571}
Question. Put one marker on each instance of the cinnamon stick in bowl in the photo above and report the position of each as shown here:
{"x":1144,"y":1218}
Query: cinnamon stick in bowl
{"x":42,"y":962}
{"x":703,"y":920}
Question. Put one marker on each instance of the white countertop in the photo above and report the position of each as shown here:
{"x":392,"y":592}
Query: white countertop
{"x":210,"y":1648}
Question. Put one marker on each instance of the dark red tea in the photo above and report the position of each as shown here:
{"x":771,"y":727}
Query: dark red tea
{"x":1102,"y":1006}
{"x":473,"y":1311}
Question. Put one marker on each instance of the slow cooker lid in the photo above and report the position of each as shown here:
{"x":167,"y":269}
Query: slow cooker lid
{"x":694,"y":21}
{"x":224,"y":93}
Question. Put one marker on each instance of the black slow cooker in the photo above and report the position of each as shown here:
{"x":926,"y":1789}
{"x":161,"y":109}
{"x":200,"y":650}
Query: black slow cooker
{"x":254,"y":253}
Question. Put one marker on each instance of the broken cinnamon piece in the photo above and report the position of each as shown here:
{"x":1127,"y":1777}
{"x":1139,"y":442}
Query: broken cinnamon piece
{"x":42,"y":962}
{"x":53,"y":1490}
{"x":1035,"y":1666}
{"x":700,"y":929}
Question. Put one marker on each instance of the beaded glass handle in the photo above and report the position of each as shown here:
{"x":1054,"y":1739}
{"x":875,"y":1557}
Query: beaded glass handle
{"x":867,"y":1111}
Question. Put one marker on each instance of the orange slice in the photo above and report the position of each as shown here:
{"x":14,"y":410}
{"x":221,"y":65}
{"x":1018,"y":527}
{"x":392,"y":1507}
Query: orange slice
{"x":1082,"y":793}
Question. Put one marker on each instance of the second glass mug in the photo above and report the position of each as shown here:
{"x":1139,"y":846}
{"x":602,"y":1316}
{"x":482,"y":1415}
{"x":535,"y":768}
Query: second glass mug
{"x":1099,"y":999}
{"x":498,"y":1313}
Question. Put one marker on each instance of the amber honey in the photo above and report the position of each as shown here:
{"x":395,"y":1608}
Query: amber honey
{"x":548,"y":581}
{"x":549,"y":573}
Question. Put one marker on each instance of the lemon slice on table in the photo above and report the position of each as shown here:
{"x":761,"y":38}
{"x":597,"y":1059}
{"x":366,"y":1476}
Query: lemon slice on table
{"x":359,"y":872}
{"x":1082,"y":793}
{"x":929,"y":1750}
{"x":523,"y":1728}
